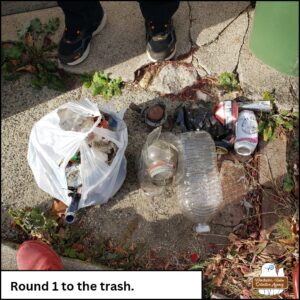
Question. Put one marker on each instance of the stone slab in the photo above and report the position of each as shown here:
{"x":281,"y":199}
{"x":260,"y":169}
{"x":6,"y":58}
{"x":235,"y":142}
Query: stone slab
{"x":209,"y":18}
{"x":223,"y":54}
{"x":272,"y":162}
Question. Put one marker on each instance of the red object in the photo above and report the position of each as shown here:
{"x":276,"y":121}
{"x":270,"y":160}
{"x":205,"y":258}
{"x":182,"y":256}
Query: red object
{"x":227,"y":113}
{"x":195,"y":257}
{"x":296,"y":281}
{"x":37,"y":255}
{"x":103,"y":123}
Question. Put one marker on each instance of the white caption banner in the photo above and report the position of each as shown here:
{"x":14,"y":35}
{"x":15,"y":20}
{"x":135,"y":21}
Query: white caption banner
{"x":101,"y":284}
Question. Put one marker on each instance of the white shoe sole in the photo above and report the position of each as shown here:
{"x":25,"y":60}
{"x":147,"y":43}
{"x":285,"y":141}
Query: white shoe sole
{"x":87,"y":50}
{"x":167,"y":58}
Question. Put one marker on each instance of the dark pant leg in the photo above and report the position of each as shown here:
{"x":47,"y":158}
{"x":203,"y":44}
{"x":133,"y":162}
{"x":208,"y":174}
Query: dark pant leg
{"x":160,"y":11}
{"x":79,"y":14}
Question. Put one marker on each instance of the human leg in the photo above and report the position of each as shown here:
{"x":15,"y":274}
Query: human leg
{"x":160,"y":32}
{"x":83,"y":19}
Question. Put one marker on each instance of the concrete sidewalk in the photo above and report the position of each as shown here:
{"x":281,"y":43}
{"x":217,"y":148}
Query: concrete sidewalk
{"x":219,"y":31}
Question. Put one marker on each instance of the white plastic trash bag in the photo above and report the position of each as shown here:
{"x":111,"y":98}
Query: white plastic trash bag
{"x":51,"y":147}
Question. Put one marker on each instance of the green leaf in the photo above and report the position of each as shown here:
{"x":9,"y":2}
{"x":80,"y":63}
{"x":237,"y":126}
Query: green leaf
{"x":296,"y":115}
{"x":228,"y":81}
{"x":198,"y":266}
{"x":267,"y":96}
{"x":50,"y":66}
{"x":266,"y":134}
{"x":287,"y":125}
{"x":52,"y":25}
{"x":284,"y":113}
{"x":261,"y":126}
{"x":14,"y":52}
{"x":23,"y":30}
{"x":81,"y":256}
{"x":288,"y":183}
{"x":87,"y":84}
{"x":70,"y":252}
{"x":86,"y":77}
{"x":279,"y":120}
{"x":36,"y":26}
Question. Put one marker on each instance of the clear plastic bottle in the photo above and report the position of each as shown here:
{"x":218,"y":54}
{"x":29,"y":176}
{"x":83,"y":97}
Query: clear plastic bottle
{"x":199,"y":191}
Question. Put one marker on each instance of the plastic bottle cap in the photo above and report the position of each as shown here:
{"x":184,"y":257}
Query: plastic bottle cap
{"x":201,"y":228}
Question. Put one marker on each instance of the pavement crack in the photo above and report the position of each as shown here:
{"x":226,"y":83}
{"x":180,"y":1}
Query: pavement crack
{"x":223,"y":30}
{"x":199,"y":65}
{"x":242,"y":44}
{"x":190,"y":25}
{"x":293,"y":92}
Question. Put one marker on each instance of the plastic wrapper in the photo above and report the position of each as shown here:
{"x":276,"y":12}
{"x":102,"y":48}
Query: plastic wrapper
{"x":71,"y":129}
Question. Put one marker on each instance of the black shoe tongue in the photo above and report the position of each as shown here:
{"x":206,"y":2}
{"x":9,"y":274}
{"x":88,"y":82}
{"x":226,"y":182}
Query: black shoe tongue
{"x":71,"y":34}
{"x":159,"y":29}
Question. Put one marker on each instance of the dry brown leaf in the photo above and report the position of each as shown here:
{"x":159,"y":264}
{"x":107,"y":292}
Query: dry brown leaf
{"x":209,"y":269}
{"x":120,"y":250}
{"x":260,"y":247}
{"x":28,"y":39}
{"x":294,"y":226}
{"x":15,"y":62}
{"x":232,"y":237}
{"x":109,"y":245}
{"x":219,"y":278}
{"x":28,"y":68}
{"x":245,"y":269}
{"x":246,"y":294}
{"x":290,"y":241}
{"x":58,"y":208}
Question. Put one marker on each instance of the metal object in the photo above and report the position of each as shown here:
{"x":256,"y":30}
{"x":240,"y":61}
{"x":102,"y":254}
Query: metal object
{"x":154,"y":116}
{"x":73,"y":207}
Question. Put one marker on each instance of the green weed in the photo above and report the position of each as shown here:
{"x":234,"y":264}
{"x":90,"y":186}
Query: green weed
{"x":271,"y":124}
{"x":33,"y":53}
{"x":228,"y":81}
{"x":101,"y":84}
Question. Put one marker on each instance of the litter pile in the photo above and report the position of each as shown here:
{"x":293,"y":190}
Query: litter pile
{"x":76,"y":154}
{"x":187,"y":161}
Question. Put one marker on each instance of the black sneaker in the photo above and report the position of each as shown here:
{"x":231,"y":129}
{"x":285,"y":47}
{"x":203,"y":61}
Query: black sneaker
{"x":74,"y":46}
{"x":161,"y":40}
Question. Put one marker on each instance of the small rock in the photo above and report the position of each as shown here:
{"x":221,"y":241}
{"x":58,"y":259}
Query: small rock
{"x":234,"y":188}
{"x":203,"y":96}
{"x":145,"y":81}
{"x":173,"y":78}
